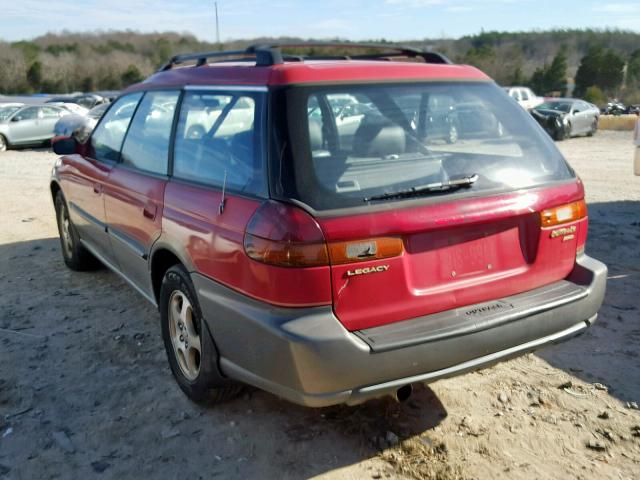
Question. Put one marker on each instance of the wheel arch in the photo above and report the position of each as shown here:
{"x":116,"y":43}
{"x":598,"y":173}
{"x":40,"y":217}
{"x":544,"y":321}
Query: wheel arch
{"x":162,"y":258}
{"x":55,"y":187}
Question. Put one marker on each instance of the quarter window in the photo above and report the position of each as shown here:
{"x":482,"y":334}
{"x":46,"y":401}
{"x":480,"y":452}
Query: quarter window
{"x":147,"y":144}
{"x":218,"y":137}
{"x":50,"y":112}
{"x":107,"y":138}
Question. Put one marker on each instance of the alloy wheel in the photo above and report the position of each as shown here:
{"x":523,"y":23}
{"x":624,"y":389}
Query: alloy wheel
{"x":185,"y":338}
{"x":65,"y":231}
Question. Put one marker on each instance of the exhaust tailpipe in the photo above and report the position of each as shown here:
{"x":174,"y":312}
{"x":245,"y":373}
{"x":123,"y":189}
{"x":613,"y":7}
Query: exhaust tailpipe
{"x":403,"y":393}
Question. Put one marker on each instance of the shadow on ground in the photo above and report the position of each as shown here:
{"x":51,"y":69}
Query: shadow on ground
{"x":609,"y":352}
{"x":81,"y":354}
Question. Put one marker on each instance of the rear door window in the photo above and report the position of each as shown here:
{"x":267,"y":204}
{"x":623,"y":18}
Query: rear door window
{"x":219,"y":140}
{"x":106,"y":140}
{"x":146,"y":147}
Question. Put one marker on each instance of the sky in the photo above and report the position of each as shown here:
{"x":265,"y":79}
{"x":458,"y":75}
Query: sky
{"x":350,"y":19}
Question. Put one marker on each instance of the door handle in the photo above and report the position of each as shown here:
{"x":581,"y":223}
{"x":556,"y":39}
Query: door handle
{"x":149,"y":211}
{"x":97,"y":188}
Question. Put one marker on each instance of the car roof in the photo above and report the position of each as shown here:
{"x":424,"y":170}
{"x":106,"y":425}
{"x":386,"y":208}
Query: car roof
{"x":309,"y":72}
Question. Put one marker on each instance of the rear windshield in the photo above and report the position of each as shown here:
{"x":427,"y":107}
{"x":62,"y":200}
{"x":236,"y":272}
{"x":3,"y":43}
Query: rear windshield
{"x":339,"y":146}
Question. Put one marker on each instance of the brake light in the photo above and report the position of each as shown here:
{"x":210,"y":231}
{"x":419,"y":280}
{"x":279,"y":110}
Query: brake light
{"x":283,"y":235}
{"x":569,"y":212}
{"x":286,"y":236}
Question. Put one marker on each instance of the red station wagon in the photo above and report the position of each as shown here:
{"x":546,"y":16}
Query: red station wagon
{"x":330,"y":229}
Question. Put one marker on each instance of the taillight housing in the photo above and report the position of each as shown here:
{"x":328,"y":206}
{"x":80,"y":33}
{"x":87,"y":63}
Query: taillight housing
{"x":286,"y":236}
{"x":283,"y":235}
{"x":569,"y":212}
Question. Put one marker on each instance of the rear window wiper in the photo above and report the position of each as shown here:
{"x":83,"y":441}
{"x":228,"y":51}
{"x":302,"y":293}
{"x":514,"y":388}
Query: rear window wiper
{"x":437,"y":187}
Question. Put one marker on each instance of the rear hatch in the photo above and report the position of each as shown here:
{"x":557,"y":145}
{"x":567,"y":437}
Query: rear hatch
{"x":426,"y":211}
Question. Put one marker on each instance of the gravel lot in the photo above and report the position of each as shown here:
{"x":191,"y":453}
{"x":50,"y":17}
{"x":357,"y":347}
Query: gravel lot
{"x":85,"y":390}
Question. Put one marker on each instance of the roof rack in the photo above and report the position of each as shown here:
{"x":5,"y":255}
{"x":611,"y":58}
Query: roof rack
{"x":271,"y":54}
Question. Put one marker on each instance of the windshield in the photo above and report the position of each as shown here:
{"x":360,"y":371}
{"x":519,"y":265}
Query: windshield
{"x":342,"y":146}
{"x":559,"y":106}
{"x":6,"y":112}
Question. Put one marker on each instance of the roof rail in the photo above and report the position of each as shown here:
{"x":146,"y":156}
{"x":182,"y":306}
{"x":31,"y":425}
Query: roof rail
{"x":263,"y":57}
{"x":387,"y":51}
{"x":271,"y":54}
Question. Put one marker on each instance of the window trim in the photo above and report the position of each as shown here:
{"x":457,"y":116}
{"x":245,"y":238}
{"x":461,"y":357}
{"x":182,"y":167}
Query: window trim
{"x":112,"y":163}
{"x":261,"y":142}
{"x":133,"y":168}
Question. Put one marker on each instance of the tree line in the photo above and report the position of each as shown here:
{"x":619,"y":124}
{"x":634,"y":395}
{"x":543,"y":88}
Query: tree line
{"x":601,"y":63}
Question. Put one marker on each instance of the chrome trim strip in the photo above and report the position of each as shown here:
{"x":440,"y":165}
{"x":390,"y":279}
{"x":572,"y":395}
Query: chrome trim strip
{"x":117,"y":271}
{"x":228,"y":88}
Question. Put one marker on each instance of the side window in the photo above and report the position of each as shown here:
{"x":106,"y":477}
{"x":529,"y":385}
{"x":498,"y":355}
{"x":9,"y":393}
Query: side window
{"x":50,"y":112}
{"x":29,"y":113}
{"x":107,"y":138}
{"x":218,"y":136}
{"x":525,"y":94}
{"x":147,"y":144}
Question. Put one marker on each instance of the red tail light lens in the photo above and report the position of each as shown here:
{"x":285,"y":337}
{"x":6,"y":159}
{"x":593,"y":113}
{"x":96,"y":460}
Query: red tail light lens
{"x":286,"y":236}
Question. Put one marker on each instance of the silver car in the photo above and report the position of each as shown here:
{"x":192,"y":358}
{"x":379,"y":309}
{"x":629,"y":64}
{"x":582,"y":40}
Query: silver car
{"x":28,"y":124}
{"x":577,"y":116}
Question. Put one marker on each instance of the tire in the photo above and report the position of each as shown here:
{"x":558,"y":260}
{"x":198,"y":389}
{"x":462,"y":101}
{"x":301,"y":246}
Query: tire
{"x":191,"y":351}
{"x":568,"y":131}
{"x":75,"y":256}
{"x":3,"y":144}
{"x":594,"y":129}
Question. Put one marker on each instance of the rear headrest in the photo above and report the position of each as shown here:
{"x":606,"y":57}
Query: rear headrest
{"x":377,"y":137}
{"x":315,"y":135}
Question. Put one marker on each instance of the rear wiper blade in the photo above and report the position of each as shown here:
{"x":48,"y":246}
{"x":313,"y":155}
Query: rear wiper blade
{"x":437,"y":187}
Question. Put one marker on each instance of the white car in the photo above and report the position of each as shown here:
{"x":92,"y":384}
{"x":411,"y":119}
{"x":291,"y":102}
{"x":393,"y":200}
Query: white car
{"x":71,"y":107}
{"x":524,"y":96}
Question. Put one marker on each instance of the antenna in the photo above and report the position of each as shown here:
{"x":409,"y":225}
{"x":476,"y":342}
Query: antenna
{"x":217,"y":24}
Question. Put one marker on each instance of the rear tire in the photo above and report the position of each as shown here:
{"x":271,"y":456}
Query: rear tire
{"x":594,"y":129}
{"x":3,"y":144}
{"x":75,"y":256}
{"x":190,"y":348}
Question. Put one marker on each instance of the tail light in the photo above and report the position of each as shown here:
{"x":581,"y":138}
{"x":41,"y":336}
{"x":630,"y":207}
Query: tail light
{"x":286,"y":236}
{"x":563,"y":214}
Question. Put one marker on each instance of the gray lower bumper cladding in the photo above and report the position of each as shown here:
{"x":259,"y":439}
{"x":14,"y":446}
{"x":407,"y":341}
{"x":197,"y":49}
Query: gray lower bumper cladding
{"x":308,"y":357}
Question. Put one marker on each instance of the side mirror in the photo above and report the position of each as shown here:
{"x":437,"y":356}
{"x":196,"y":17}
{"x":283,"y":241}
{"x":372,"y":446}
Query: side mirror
{"x":17,"y":118}
{"x":576,"y":111}
{"x":65,"y":145}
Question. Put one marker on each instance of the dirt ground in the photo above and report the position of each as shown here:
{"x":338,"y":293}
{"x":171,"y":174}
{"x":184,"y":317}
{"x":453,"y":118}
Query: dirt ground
{"x":85,"y":389}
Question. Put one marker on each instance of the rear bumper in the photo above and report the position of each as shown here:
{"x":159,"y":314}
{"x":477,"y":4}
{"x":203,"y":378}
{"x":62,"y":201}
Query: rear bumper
{"x":308,"y":357}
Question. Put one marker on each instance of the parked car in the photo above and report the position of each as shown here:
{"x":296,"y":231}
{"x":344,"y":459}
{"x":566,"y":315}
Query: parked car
{"x":552,"y":123}
{"x":320,"y":270}
{"x":71,"y":107}
{"x":577,"y":116}
{"x":28,"y":124}
{"x":524,"y":96}
{"x":86,"y":100}
{"x":97,"y":111}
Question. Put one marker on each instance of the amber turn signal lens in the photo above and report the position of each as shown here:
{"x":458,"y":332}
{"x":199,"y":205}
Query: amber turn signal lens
{"x":365,"y":250}
{"x":563,"y":214}
{"x":285,"y":254}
